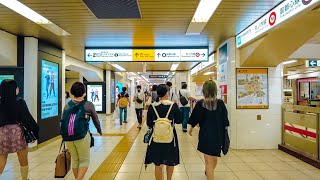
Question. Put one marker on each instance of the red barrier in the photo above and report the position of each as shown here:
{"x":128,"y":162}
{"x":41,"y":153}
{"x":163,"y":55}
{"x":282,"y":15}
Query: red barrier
{"x":300,"y":131}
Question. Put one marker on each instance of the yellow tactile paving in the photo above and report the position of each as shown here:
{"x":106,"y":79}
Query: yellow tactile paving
{"x":111,"y":165}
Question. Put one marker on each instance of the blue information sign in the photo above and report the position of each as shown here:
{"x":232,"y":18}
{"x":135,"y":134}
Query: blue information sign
{"x":313,"y":63}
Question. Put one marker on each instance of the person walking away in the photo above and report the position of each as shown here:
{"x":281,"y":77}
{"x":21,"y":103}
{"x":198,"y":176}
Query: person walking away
{"x":123,"y":103}
{"x":163,"y":148}
{"x":67,"y":97}
{"x":13,"y":114}
{"x":154,"y":95}
{"x":139,"y":101}
{"x":184,"y":106}
{"x":77,"y":113}
{"x":212,"y":116}
{"x":172,"y":94}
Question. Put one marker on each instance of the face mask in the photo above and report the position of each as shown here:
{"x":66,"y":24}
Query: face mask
{"x":139,"y":90}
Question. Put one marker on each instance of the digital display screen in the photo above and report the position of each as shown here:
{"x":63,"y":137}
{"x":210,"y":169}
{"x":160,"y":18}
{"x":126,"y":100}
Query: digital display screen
{"x":49,"y":89}
{"x":94,"y":95}
{"x":3,"y":77}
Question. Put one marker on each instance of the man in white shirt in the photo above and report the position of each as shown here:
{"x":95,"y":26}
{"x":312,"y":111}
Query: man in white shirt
{"x":139,"y":100}
{"x":184,"y":103}
{"x":172,"y":95}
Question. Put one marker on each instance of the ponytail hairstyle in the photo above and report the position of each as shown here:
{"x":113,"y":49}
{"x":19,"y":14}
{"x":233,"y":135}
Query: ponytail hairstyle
{"x":8,"y":98}
{"x":210,"y":91}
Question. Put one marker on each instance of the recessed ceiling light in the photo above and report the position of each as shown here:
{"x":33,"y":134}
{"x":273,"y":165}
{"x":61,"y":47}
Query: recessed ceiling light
{"x":208,"y":73}
{"x":174,"y":66}
{"x":203,"y":13}
{"x":118,"y":67}
{"x":290,"y":62}
{"x":30,"y":14}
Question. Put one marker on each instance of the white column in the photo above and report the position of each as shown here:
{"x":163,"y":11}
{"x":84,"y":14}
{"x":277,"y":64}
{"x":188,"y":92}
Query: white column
{"x":31,"y":76}
{"x":108,"y":92}
{"x":63,"y":78}
{"x":246,"y":132}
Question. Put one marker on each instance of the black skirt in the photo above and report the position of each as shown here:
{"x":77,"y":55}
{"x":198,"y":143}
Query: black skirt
{"x":163,"y":153}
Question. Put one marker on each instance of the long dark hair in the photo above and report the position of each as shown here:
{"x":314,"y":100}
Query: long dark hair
{"x":210,"y":91}
{"x":8,"y":97}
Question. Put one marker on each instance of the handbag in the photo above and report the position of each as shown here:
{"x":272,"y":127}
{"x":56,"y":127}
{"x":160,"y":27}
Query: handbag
{"x":63,"y":162}
{"x":92,"y":140}
{"x":28,"y":134}
{"x":183,"y":100}
{"x":147,"y":136}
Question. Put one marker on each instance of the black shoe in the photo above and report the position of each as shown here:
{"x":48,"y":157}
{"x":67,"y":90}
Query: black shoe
{"x":184,"y":130}
{"x":125,"y":121}
{"x":120,"y":124}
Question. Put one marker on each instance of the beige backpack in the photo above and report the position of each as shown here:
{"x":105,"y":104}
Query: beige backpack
{"x":163,"y":129}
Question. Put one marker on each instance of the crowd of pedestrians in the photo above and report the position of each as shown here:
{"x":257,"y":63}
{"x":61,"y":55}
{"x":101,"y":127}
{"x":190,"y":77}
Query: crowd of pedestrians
{"x":164,"y":108}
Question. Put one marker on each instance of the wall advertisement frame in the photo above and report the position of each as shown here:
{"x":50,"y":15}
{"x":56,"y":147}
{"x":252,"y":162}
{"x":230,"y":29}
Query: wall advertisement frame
{"x":252,"y":88}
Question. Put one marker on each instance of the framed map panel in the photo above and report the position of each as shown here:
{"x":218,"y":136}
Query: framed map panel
{"x":252,"y":88}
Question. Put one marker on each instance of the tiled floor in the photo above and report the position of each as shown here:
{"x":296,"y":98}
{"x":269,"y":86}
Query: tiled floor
{"x":238,"y":164}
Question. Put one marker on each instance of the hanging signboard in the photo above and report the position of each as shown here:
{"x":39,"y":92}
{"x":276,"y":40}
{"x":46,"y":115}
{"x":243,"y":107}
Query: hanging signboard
{"x":252,"y":88}
{"x":146,"y":55}
{"x":279,"y":14}
{"x":161,"y":76}
{"x":313,"y":63}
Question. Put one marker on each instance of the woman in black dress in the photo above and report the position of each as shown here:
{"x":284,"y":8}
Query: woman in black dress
{"x":212,"y":116}
{"x":163,"y":153}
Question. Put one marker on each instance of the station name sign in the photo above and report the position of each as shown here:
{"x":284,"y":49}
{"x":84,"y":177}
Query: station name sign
{"x":146,"y":55}
{"x":279,"y":14}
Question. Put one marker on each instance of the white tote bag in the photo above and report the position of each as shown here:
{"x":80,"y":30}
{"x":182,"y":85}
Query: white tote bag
{"x":116,"y":114}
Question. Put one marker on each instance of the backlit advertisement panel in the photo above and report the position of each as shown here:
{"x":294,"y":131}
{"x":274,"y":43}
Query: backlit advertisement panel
{"x":49,"y":89}
{"x":94,"y":95}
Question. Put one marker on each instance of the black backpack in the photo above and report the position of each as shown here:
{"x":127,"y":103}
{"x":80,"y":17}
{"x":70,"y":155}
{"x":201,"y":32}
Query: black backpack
{"x":74,"y":124}
{"x":183,"y":100}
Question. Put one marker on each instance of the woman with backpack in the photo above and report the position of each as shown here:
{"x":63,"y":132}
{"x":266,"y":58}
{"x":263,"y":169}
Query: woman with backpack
{"x":212,"y":116}
{"x":163,"y":146}
{"x":77,"y":113}
{"x":14,"y":115}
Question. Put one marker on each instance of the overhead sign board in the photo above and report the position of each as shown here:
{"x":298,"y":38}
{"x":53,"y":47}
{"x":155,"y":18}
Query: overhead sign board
{"x":146,"y":55}
{"x":161,"y":76}
{"x":313,"y":63}
{"x":279,"y":14}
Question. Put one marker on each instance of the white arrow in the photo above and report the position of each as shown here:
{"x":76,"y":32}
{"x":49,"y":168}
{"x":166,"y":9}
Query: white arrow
{"x":313,"y":63}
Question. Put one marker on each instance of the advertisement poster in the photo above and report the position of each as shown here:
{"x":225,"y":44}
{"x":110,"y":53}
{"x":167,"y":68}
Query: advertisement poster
{"x":3,"y":77}
{"x":223,"y":73}
{"x":252,"y":88}
{"x":49,"y":89}
{"x":199,"y":89}
{"x":94,"y":95}
{"x":113,"y":92}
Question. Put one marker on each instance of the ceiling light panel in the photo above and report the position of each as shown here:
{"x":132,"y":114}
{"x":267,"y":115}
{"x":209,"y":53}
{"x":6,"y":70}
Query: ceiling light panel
{"x":203,"y":13}
{"x":174,"y":66}
{"x":35,"y":17}
{"x":208,"y":73}
{"x":118,"y":67}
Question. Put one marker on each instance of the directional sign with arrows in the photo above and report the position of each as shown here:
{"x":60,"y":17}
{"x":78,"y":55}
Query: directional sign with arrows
{"x":313,"y":63}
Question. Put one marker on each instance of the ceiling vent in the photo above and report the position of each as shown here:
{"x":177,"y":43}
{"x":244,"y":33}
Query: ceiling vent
{"x":114,"y":9}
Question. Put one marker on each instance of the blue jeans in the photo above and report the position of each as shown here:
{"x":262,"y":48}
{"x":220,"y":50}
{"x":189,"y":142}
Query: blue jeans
{"x":125,"y":114}
{"x":185,"y":116}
